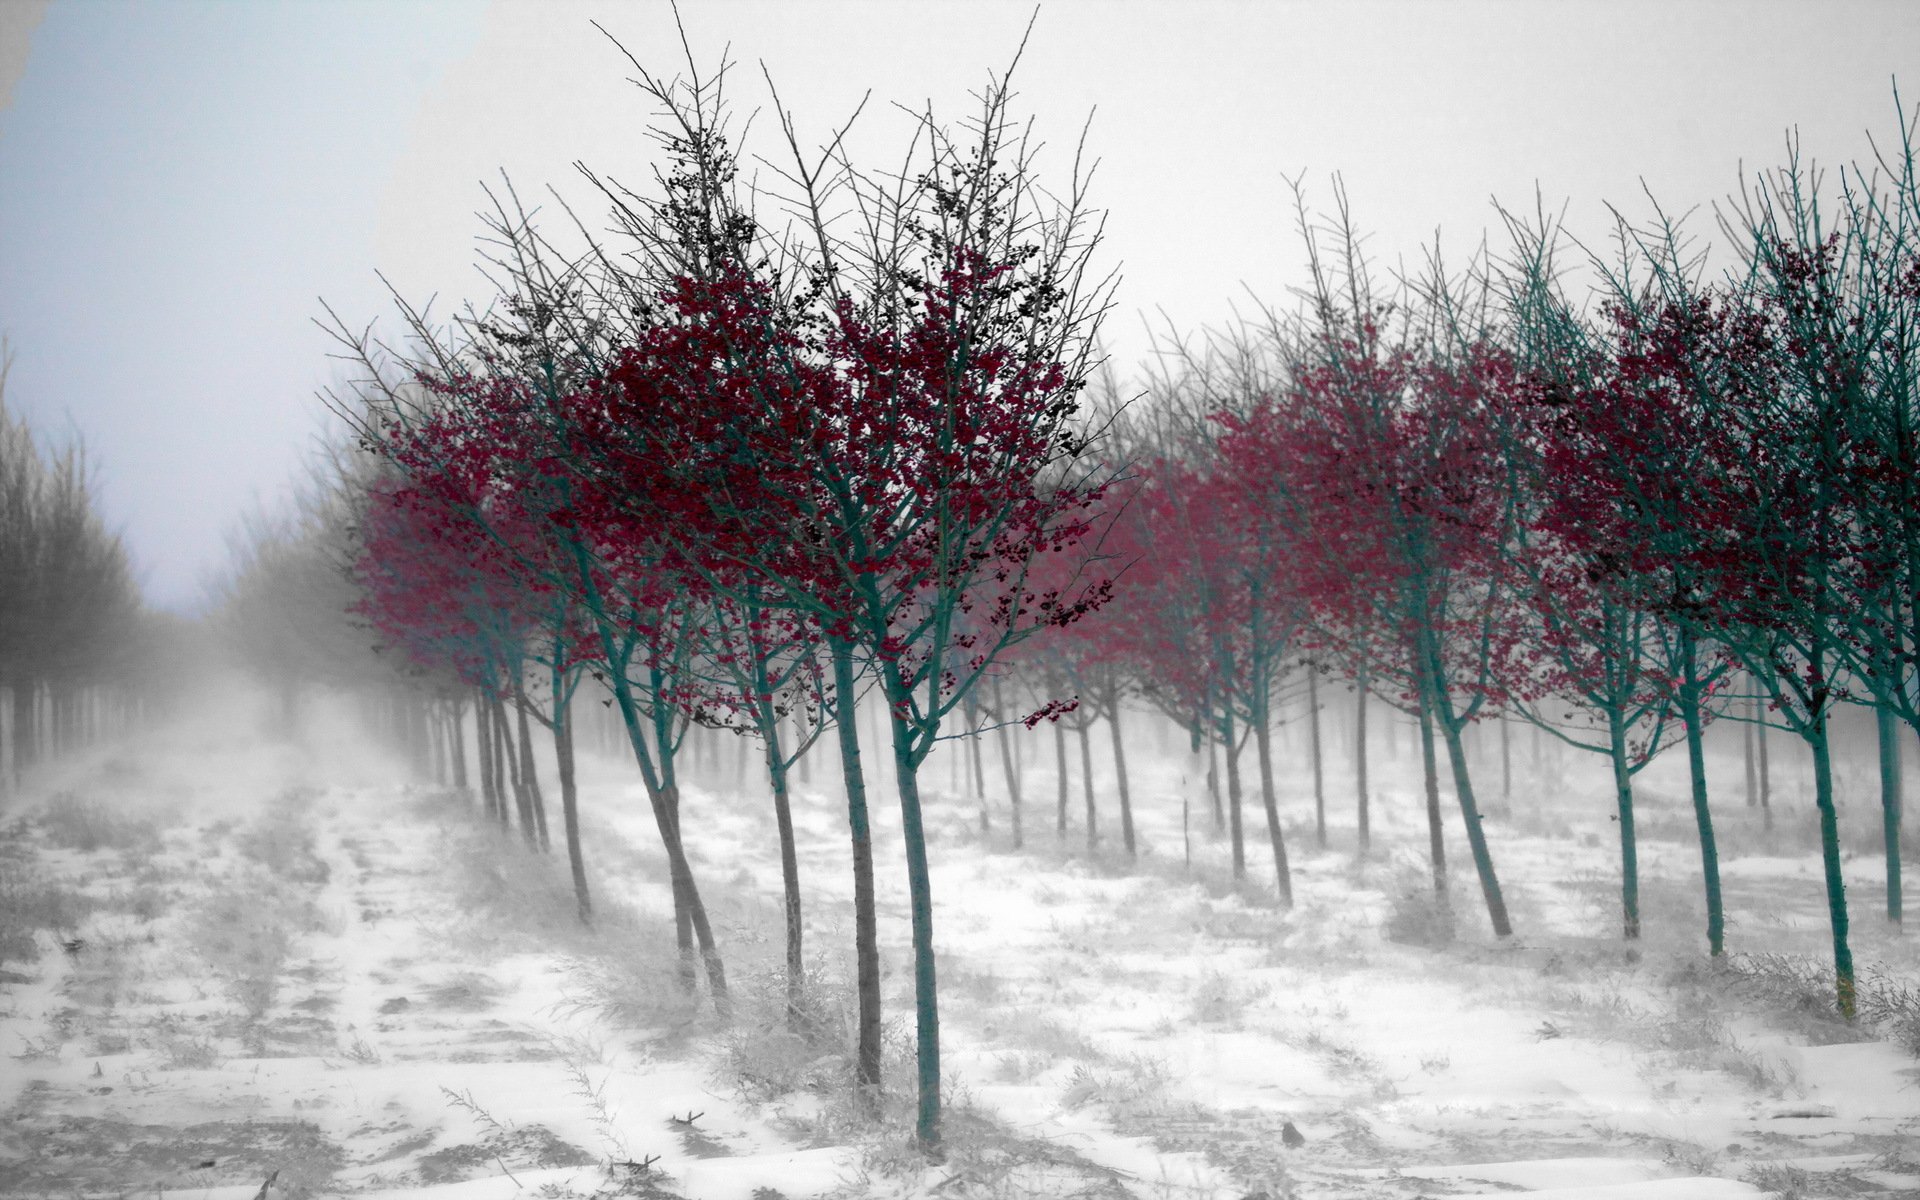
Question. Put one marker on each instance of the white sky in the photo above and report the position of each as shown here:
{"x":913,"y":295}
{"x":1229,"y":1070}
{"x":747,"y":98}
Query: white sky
{"x":180,"y":182}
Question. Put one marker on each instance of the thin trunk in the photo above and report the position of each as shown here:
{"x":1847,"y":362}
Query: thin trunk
{"x":1086,"y":783}
{"x":1213,"y":780}
{"x":570,"y":803}
{"x":1263,"y":742}
{"x":1319,"y":770}
{"x":1623,"y":803}
{"x":459,"y":744}
{"x":789,"y":879}
{"x":783,"y":822}
{"x":1470,"y":811}
{"x":1006,"y":761}
{"x":1234,"y":823}
{"x":926,"y":1000}
{"x":1430,"y":767}
{"x":866,"y":939}
{"x":437,"y":746}
{"x":1843,"y":979}
{"x":1690,"y":689}
{"x":975,"y":768}
{"x":1060,"y":774}
{"x":1753,"y":783}
{"x":1890,"y":805}
{"x":1360,"y":762}
{"x":1766,"y":773}
{"x":536,"y":801}
{"x":1120,"y":767}
{"x":483,"y":746}
{"x":1506,"y":762}
{"x":507,"y":766}
{"x":689,"y":911}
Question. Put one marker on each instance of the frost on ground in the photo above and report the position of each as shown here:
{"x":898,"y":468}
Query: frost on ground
{"x":227,"y":963}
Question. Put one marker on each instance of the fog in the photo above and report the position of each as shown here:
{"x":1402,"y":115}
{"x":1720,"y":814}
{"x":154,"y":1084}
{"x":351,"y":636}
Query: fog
{"x":1289,"y":601}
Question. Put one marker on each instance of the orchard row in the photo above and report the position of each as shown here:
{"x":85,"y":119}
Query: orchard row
{"x":741,"y":461}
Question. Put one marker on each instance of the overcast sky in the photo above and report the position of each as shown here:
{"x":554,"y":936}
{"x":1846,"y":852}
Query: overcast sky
{"x":181,"y":182}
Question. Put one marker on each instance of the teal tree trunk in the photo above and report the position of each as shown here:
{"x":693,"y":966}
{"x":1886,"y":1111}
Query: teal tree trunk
{"x":1690,"y":693}
{"x":926,"y":1008}
{"x":1845,"y":994}
{"x":769,"y":722}
{"x":690,"y":913}
{"x":570,"y":806}
{"x":1263,"y":743}
{"x":866,"y":937}
{"x":536,"y":803}
{"x":1623,"y":804}
{"x":1450,"y":727}
{"x":1436,"y":841}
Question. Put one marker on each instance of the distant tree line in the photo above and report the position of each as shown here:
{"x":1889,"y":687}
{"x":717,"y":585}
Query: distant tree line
{"x":73,"y":659}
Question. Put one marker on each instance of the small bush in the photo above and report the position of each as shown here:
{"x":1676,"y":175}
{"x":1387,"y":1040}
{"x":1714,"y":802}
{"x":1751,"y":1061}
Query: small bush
{"x":1415,"y":916}
{"x":29,"y":903}
{"x":775,"y":1049}
{"x":1220,"y":1000}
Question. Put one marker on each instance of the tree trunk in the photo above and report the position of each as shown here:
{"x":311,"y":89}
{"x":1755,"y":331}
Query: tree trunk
{"x":1360,"y":763}
{"x":1506,"y":762}
{"x":1450,"y":728}
{"x":1319,"y":771}
{"x":1690,"y":688}
{"x":437,"y":744}
{"x":458,"y":744}
{"x":1283,"y":876}
{"x":1753,"y":788}
{"x":1766,"y":775}
{"x":1843,"y":979}
{"x":689,"y":911}
{"x":535,"y":801}
{"x":1430,"y":767}
{"x":1234,"y":823}
{"x":1086,"y":783}
{"x":570,"y":805}
{"x":505,"y":767}
{"x":789,"y":874}
{"x":1890,"y":805}
{"x":1006,"y":762}
{"x":926,"y":999}
{"x":1623,"y":803}
{"x":1213,"y":764}
{"x":1120,"y":767}
{"x":866,"y":939}
{"x":1060,"y":757}
{"x":483,"y":747}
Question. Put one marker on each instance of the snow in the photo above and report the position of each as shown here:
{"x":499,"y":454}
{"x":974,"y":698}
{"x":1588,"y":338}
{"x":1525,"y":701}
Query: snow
{"x":345,"y":975}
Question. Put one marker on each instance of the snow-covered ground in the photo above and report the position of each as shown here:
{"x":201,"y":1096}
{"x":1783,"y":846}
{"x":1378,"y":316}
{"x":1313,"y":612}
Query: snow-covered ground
{"x":281,"y":959}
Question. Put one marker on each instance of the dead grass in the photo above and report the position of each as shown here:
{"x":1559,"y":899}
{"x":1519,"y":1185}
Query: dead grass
{"x":74,"y":822}
{"x":31,"y":903}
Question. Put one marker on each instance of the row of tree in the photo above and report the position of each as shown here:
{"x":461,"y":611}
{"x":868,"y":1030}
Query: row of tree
{"x":742,"y":475}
